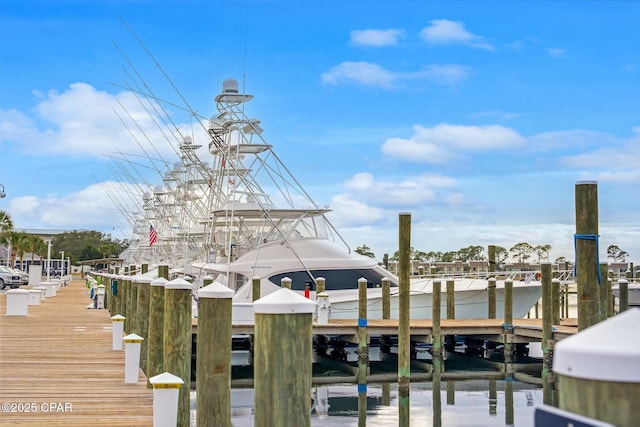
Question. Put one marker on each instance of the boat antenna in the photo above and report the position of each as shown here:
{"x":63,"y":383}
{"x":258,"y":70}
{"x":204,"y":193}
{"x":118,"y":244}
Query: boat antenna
{"x":157,"y":64}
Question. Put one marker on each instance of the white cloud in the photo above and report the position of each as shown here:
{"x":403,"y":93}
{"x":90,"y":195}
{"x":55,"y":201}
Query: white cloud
{"x":370,"y":201}
{"x":373,"y":75}
{"x":569,"y":139}
{"x":445,"y":31}
{"x":447,"y":74}
{"x":376,"y":38}
{"x":445,"y":142}
{"x":619,"y":155}
{"x":363,"y":73}
{"x":83,"y":121}
{"x":556,"y":52}
{"x":88,"y":208}
{"x":346,"y":211}
{"x":498,"y":114}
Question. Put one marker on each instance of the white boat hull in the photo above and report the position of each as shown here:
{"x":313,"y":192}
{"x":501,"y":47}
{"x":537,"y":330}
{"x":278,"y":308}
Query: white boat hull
{"x":634,"y":293}
{"x":470,"y":303}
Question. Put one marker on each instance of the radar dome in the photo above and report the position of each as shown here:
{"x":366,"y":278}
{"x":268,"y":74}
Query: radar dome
{"x":230,"y":86}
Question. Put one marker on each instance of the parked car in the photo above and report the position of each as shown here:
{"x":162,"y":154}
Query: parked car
{"x":9,"y":278}
{"x":24,"y":277}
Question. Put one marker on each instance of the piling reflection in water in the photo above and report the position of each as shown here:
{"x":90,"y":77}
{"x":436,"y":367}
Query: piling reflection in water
{"x":337,"y":404}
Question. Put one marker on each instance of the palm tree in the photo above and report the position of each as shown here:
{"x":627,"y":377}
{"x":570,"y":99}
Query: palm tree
{"x":6,"y":225}
{"x":19,"y":245}
{"x":34,"y":243}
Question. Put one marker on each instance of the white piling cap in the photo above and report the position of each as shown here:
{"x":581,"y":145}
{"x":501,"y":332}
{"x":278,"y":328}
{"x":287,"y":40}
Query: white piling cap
{"x":17,"y":291}
{"x":606,"y":351}
{"x":133,"y":338}
{"x":178,"y":284}
{"x":284,"y":301}
{"x":160,"y":281}
{"x":215,"y":290}
{"x":118,"y":318}
{"x":166,"y":379}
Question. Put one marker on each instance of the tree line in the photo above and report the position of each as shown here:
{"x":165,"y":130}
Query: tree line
{"x":77,"y":245}
{"x":521,"y":252}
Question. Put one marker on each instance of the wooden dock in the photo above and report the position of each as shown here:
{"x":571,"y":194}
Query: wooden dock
{"x":57,"y":367}
{"x":524,"y":330}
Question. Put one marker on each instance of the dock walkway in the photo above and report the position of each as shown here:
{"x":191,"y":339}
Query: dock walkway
{"x":57,"y":367}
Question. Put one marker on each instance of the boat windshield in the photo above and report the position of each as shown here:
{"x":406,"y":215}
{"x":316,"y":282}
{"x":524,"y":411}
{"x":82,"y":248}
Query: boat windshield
{"x":335,"y":279}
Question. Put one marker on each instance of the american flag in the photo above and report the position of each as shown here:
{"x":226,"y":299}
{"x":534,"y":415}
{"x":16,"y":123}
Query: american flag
{"x":153,"y":236}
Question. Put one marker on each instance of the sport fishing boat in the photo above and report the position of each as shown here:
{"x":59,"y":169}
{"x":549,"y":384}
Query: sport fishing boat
{"x":263,"y":225}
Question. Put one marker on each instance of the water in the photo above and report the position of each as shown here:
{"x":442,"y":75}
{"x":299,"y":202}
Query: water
{"x":485,"y":398}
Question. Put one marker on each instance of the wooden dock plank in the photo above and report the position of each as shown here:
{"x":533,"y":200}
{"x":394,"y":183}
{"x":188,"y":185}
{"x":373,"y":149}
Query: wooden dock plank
{"x":58,"y":363}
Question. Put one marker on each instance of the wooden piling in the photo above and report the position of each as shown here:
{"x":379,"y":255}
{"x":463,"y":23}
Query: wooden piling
{"x":320,"y":285}
{"x":123,"y":303}
{"x":363,"y":351}
{"x":586,"y":243}
{"x":547,"y":325}
{"x":133,"y":308}
{"x":142,"y":319}
{"x":491,"y":295}
{"x":603,"y":288}
{"x":435,"y":325}
{"x":255,"y":289}
{"x":283,"y":351}
{"x":555,"y":301}
{"x":451,"y":392}
{"x":155,"y":331}
{"x":508,"y":402}
{"x":404,"y":335}
{"x":508,"y":321}
{"x":491,"y":251}
{"x":177,"y":341}
{"x":213,"y":358}
{"x":451,"y":299}
{"x":436,"y":385}
{"x":386,"y":298}
{"x":623,"y":289}
{"x":285,"y":282}
{"x":493,"y":397}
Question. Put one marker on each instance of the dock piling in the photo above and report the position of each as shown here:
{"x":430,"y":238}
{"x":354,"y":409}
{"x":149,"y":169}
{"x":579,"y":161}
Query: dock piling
{"x":283,"y":353}
{"x":177,"y":340}
{"x":155,"y":332}
{"x":586,"y":244}
{"x":404,"y":334}
{"x":213,"y":359}
{"x":623,"y":288}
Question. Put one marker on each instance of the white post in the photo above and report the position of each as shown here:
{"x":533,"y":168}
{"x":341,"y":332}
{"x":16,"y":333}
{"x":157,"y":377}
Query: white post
{"x":34,"y":297}
{"x":48,"y":260}
{"x":165,"y":399}
{"x":101,"y":296}
{"x":17,"y":302}
{"x":132,"y":358}
{"x":324,"y":308}
{"x":61,"y":264}
{"x":117,"y":329}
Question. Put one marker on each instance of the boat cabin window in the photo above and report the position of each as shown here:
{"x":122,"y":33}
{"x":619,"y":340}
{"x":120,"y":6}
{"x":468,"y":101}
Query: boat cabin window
{"x":335,"y":279}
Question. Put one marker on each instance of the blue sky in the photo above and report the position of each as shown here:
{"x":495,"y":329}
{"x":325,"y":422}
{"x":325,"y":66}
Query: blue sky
{"x":477,"y":117}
